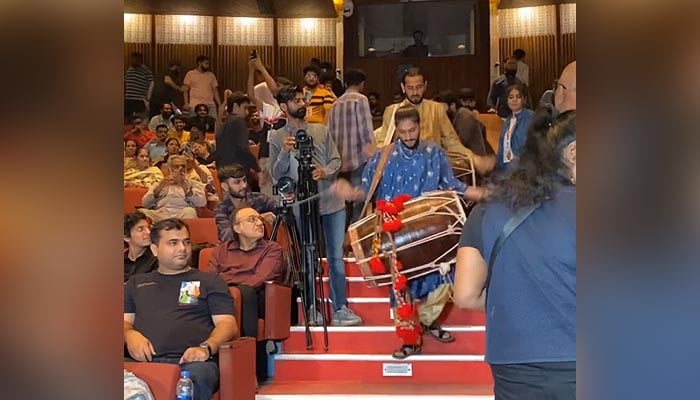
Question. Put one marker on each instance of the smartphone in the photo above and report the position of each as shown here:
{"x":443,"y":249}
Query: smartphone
{"x":253,"y":54}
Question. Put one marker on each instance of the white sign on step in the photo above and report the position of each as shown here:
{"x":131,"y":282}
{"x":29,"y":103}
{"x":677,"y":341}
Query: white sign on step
{"x":396,"y":369}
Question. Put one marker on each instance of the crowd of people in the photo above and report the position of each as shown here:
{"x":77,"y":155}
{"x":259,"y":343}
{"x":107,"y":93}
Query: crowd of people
{"x":195,"y":155}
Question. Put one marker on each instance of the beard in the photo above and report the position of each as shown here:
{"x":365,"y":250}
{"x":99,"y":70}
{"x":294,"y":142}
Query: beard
{"x":300,"y":113}
{"x":415,"y":100}
{"x":238,"y":195}
{"x":413,"y":146}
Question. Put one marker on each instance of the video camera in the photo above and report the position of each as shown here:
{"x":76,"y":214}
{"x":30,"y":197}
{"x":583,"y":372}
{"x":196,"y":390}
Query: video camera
{"x":304,"y":144}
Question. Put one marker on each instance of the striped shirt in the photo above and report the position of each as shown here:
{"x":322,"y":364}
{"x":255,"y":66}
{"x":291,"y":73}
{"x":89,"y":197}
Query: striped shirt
{"x":136,"y":83}
{"x":350,"y":125}
{"x":320,"y":100}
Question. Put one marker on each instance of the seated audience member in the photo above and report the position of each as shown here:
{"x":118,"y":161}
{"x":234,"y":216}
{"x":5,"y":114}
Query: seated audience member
{"x":196,"y":132}
{"x":470,"y":130}
{"x":203,"y":153}
{"x":177,"y":314}
{"x":175,"y":196}
{"x":130,"y":148}
{"x":138,"y":258}
{"x":178,"y":131}
{"x":247,"y":262}
{"x":200,"y":173}
{"x":202,"y":118}
{"x":374,"y":107}
{"x":138,"y":132}
{"x":237,"y":194}
{"x":157,"y":147}
{"x":172,"y":148}
{"x":164,"y":118}
{"x":467,"y":98}
{"x":143,"y":174}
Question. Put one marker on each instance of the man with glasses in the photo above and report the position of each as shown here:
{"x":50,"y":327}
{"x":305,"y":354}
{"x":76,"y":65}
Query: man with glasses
{"x":236,"y":194}
{"x":562,"y":96}
{"x":247,"y":261}
{"x":176,"y":196}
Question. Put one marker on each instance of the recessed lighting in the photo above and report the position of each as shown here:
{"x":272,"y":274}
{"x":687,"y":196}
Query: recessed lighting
{"x":371,"y":49}
{"x":461,"y":47}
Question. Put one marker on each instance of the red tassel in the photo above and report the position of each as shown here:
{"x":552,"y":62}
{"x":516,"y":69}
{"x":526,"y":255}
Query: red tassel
{"x":401,"y":199}
{"x":392,"y":226}
{"x":405,"y":311}
{"x":376,"y":265}
{"x":391,"y":208}
{"x":399,"y":266}
{"x":381,"y":205}
{"x":401,"y":281}
{"x":409,"y":336}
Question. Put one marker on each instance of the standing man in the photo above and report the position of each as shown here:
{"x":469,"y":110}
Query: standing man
{"x":418,"y":48}
{"x":326,"y":161}
{"x":167,"y":88}
{"x":415,"y":166}
{"x":350,"y":126}
{"x":232,"y":141}
{"x":434,"y":123}
{"x":497,"y":100}
{"x":177,"y":314}
{"x":319,"y":99}
{"x":138,"y":87}
{"x":523,"y":72}
{"x":200,"y":86}
{"x":470,"y":130}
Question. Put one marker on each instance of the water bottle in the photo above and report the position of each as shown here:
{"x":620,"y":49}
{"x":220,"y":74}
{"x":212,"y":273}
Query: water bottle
{"x":185,"y":389}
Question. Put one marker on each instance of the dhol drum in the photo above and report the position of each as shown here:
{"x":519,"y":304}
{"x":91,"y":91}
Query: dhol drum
{"x":462,"y":167}
{"x":428,"y":238}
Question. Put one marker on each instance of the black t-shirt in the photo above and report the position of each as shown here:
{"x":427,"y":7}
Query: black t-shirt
{"x":207,"y":122}
{"x":232,"y":145}
{"x":264,"y":146}
{"x":174,"y":311}
{"x":144,"y":263}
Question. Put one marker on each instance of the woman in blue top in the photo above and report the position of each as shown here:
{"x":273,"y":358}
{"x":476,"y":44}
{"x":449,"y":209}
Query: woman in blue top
{"x":531,"y":282}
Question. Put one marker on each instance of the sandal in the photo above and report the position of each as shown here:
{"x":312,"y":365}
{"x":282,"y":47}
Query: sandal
{"x":438,"y":333}
{"x":406,"y":351}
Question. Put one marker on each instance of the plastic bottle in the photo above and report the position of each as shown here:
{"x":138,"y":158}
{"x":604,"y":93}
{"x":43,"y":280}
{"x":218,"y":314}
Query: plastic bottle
{"x":184,"y":388}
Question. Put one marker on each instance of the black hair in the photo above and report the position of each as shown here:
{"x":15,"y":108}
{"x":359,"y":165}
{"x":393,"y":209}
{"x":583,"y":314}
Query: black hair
{"x":130,"y":221}
{"x":180,"y":117}
{"x":520,"y":88}
{"x":202,"y":58}
{"x":447,"y":97}
{"x":234,"y":171}
{"x":519,"y":54}
{"x":200,"y":105}
{"x":418,"y":31}
{"x":238,"y":98}
{"x":413,"y":71}
{"x":312,"y":68}
{"x":136,"y":54}
{"x":286,"y":95}
{"x":407,"y":112}
{"x":315,"y":61}
{"x":168,"y":224}
{"x":325,"y":65}
{"x":540,"y":172}
{"x":170,"y":139}
{"x":354,"y":77}
{"x":135,"y":117}
{"x":162,"y":126}
{"x":375,"y":94}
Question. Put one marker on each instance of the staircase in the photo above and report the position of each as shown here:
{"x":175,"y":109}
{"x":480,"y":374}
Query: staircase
{"x":358,"y":364}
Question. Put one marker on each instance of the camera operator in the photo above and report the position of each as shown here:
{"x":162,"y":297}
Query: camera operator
{"x":325,"y":164}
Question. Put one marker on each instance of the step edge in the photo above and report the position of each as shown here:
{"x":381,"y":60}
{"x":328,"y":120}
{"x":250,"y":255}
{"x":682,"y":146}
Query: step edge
{"x":372,"y":396}
{"x":379,"y":357}
{"x":384,"y":328}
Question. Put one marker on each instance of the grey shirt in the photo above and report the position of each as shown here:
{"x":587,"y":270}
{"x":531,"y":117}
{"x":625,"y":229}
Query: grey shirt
{"x":325,"y":156}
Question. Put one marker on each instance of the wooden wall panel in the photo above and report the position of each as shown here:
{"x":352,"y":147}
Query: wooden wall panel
{"x":541,"y":56}
{"x":568,"y":48}
{"x":292,"y":60}
{"x":143,"y":48}
{"x":231,"y":68}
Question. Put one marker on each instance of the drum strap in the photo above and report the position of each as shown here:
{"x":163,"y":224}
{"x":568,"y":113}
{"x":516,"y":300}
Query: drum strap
{"x":381,"y":164}
{"x":508,"y":228}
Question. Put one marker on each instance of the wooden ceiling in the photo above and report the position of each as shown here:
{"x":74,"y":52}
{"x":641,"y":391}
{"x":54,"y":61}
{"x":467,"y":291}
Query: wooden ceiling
{"x":234,"y":8}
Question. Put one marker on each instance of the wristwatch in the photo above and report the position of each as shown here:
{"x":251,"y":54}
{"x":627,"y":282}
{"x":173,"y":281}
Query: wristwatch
{"x":207,"y":347}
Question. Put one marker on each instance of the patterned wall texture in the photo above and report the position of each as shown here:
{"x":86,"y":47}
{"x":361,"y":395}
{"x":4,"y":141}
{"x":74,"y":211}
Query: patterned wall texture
{"x":306,"y":31}
{"x":567,"y":13}
{"x":137,"y":28}
{"x":184,"y":29}
{"x":242,"y":31}
{"x":527,"y":21}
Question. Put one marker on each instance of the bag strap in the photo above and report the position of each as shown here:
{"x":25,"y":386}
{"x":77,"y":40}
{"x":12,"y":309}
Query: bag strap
{"x":381,"y":164}
{"x":508,"y":228}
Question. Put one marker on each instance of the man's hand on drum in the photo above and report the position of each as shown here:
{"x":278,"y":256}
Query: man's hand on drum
{"x":344,"y":190}
{"x":474,"y":193}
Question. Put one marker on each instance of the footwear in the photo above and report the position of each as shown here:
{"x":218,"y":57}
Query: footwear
{"x":438,"y":333}
{"x":345,"y":317}
{"x":406,"y":351}
{"x":315,"y":317}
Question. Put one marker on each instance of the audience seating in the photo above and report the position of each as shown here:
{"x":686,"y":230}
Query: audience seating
{"x":202,"y":230}
{"x":493,"y":124}
{"x":132,"y":198}
{"x":276,"y":325}
{"x":216,"y":182}
{"x":209,"y":136}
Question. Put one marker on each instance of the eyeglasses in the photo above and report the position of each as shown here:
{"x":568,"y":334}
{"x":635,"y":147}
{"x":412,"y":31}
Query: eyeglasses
{"x":251,"y":220}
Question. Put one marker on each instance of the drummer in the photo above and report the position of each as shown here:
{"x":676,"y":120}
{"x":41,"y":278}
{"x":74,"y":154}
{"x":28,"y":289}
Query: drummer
{"x":414,"y":167}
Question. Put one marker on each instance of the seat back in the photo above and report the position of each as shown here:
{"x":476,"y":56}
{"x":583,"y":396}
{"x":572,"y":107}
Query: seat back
{"x":161,"y":378}
{"x":132,"y":198}
{"x":202,"y":230}
{"x":216,"y":182}
{"x":493,"y":124}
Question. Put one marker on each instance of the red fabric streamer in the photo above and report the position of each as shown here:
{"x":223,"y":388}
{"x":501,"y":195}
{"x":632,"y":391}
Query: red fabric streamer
{"x":401,"y":281}
{"x":376,"y":265}
{"x":392,"y":226}
{"x":406,"y":311}
{"x":381,"y":205}
{"x":409,"y":336}
{"x":399,"y":266}
{"x":401,"y":199}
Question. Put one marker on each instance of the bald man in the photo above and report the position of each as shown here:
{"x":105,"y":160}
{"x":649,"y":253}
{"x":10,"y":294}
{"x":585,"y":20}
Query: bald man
{"x":565,"y":91}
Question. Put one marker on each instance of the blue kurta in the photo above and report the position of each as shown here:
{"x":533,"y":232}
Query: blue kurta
{"x":414,"y":172}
